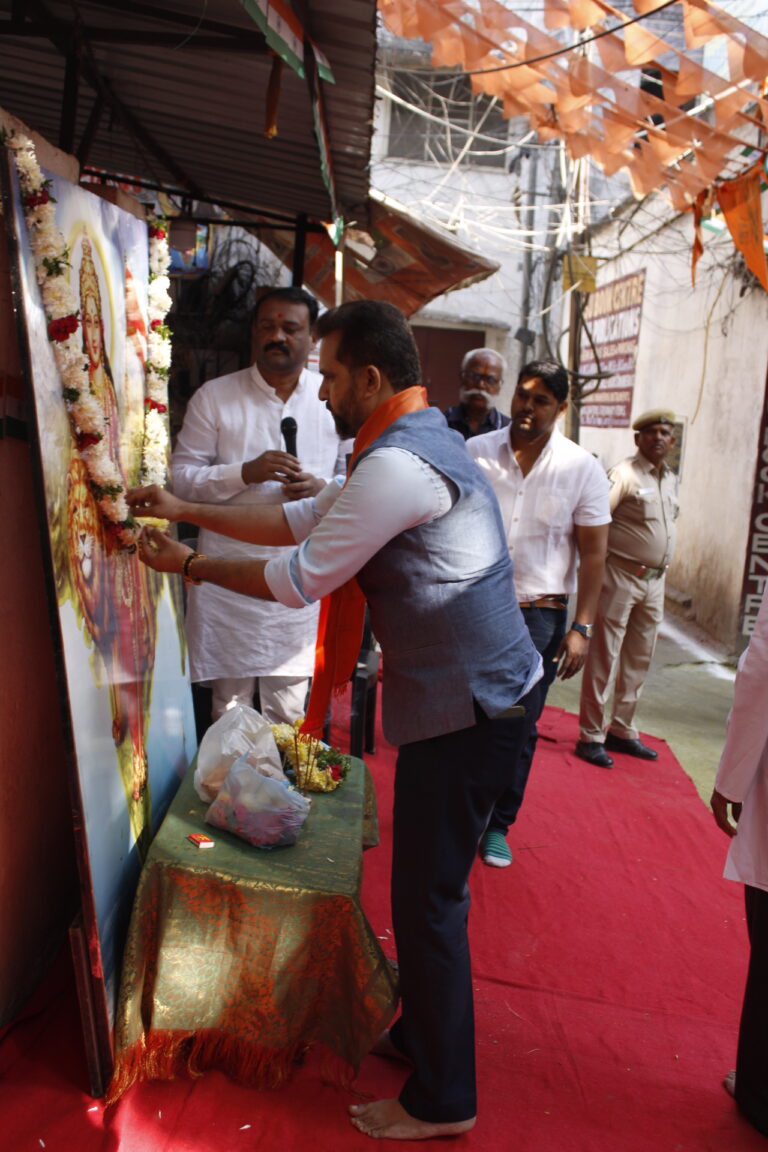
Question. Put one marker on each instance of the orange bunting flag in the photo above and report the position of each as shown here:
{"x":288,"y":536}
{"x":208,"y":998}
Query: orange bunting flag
{"x":739,"y":200}
{"x":645,"y":7}
{"x":701,"y":24}
{"x":642,"y":46}
{"x":702,"y":206}
{"x":556,"y":14}
{"x":644,"y":171}
{"x":755,"y":61}
{"x":679,"y":197}
{"x":585,"y":13}
{"x":611,"y":49}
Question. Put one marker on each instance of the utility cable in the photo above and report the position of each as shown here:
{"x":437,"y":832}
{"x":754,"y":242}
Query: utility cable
{"x":571,"y":47}
{"x":447,"y":123}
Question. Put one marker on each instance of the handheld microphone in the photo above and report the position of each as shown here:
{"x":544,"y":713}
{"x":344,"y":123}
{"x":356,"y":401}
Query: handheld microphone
{"x":289,"y":428}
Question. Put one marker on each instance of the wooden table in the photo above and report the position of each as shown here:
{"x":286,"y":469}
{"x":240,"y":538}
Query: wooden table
{"x":240,"y":958}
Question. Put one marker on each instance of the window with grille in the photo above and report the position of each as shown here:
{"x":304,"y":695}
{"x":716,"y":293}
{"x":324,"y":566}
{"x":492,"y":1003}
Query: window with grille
{"x":449,"y":97}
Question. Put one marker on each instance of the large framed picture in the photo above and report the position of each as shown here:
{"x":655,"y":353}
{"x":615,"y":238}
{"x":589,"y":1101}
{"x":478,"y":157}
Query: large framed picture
{"x":117,"y":627}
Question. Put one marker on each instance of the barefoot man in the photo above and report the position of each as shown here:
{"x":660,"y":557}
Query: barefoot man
{"x":416,"y":532}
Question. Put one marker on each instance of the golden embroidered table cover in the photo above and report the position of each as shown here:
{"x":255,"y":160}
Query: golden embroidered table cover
{"x":240,"y":958}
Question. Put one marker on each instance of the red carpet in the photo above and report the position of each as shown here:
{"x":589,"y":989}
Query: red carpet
{"x":608,"y":961}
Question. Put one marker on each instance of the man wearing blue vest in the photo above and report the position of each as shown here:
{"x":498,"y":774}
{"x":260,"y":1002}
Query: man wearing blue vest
{"x":416,"y":532}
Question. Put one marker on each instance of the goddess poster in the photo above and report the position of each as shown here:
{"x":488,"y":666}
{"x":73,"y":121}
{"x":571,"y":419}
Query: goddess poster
{"x":120,"y":625}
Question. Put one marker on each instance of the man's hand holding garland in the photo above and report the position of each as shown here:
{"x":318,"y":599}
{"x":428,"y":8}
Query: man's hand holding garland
{"x":156,"y":502}
{"x":160,"y":552}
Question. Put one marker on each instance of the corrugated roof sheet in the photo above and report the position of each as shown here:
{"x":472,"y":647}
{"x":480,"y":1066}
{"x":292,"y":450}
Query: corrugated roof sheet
{"x":201,"y":105}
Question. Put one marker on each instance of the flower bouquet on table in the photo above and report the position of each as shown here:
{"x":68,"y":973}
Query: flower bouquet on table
{"x":315,"y":766}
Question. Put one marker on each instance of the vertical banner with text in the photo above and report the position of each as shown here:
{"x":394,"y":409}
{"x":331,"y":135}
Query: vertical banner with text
{"x":612,"y":319}
{"x":756,"y":560}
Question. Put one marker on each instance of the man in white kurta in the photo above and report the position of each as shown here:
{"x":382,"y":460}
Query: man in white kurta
{"x":229,"y":451}
{"x":741,"y":786}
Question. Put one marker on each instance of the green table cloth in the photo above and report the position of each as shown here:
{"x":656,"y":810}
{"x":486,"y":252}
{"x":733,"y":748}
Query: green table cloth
{"x":240,"y":958}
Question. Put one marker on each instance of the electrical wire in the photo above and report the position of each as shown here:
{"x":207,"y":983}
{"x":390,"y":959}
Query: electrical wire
{"x":449,"y":201}
{"x":386,"y":94}
{"x":570,"y":47}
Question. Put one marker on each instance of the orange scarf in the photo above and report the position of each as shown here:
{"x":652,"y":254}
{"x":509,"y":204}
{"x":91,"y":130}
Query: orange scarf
{"x":342,"y":614}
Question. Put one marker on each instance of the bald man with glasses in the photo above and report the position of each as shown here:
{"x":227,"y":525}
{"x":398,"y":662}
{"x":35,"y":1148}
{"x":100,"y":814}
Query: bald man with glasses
{"x":480,"y":380}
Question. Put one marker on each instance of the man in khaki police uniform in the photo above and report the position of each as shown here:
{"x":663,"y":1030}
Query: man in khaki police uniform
{"x":644,"y":506}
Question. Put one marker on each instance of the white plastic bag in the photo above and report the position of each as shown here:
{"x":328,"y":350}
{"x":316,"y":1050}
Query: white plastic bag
{"x":240,"y":731}
{"x":260,"y":809}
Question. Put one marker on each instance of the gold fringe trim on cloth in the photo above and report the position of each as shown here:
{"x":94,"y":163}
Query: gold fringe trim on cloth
{"x":166,"y":1055}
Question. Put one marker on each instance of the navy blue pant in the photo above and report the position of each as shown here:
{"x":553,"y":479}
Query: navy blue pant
{"x":547,"y":628}
{"x":445,"y":789}
{"x":752,"y":1053}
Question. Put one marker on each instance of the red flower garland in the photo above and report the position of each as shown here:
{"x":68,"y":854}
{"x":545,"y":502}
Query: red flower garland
{"x":62,"y":328}
{"x":36,"y":199}
{"x":154,"y":405}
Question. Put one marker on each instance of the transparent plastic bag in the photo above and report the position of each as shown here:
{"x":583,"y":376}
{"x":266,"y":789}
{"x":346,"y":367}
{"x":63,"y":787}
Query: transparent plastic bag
{"x":259,"y":809}
{"x":240,"y":731}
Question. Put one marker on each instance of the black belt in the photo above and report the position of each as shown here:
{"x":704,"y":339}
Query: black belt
{"x":553,"y":601}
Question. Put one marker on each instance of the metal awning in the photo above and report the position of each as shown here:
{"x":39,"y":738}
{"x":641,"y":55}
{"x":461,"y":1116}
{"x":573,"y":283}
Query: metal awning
{"x":396,"y":257}
{"x":176,"y":94}
{"x":177,"y":97}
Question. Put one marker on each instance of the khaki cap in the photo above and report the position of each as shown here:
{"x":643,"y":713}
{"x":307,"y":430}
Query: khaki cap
{"x":655,"y":416}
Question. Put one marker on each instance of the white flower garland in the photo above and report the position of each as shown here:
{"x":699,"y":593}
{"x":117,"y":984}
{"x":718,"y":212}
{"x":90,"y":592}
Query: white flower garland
{"x":86,"y":415}
{"x":154,"y":456}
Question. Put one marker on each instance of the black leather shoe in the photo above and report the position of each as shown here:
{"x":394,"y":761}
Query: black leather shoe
{"x":593,"y":753}
{"x":630,"y":747}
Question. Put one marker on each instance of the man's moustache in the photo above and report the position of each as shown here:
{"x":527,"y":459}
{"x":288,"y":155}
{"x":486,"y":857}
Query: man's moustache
{"x":475,"y":394}
{"x":277,"y":347}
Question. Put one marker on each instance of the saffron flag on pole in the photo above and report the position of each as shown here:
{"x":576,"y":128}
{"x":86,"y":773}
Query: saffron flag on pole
{"x":740,"y":202}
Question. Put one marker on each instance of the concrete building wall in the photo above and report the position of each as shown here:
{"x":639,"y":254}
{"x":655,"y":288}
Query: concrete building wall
{"x":703,"y":351}
{"x":506,"y":216}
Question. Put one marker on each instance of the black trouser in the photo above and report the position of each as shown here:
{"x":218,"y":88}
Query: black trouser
{"x":752,"y":1054}
{"x":547,"y":628}
{"x":445,"y":789}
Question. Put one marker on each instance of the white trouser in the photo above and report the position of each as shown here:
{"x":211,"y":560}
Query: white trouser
{"x":283,"y":698}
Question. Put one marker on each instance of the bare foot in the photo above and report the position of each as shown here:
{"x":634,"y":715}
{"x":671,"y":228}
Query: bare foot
{"x":388,"y":1120}
{"x":385,"y":1047}
{"x":729,"y":1082}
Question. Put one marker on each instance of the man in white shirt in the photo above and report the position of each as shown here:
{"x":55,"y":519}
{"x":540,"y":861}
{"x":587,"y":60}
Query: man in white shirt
{"x":553,"y":497}
{"x":418,"y":527}
{"x":229,"y":451}
{"x":741,"y":790}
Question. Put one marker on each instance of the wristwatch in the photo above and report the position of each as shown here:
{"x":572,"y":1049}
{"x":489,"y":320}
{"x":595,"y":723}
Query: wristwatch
{"x":584,"y":630}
